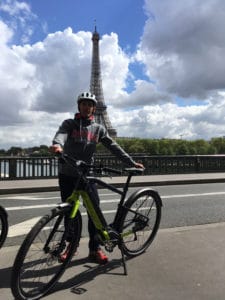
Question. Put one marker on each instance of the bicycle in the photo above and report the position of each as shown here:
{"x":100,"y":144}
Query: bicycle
{"x":3,"y":225}
{"x":37,"y":266}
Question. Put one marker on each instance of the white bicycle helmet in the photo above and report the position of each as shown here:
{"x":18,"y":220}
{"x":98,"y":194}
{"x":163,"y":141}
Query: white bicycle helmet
{"x":87,"y":96}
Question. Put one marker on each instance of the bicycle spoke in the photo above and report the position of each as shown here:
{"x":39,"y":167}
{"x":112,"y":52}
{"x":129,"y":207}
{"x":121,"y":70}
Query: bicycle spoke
{"x":38,"y":263}
{"x":140,"y":222}
{"x":40,"y":267}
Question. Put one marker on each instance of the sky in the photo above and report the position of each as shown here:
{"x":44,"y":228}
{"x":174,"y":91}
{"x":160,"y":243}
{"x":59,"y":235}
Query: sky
{"x":162,"y":67}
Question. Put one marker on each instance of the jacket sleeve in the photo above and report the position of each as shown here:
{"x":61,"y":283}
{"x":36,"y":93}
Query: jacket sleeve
{"x":62,"y":133}
{"x":115,"y":149}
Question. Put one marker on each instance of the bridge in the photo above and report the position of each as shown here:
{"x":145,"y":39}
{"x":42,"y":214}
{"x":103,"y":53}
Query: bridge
{"x":15,"y":168}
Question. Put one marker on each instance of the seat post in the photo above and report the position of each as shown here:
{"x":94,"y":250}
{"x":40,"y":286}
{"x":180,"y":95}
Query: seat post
{"x":126,"y":186}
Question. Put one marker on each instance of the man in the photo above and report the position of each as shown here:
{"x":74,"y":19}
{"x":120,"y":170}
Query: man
{"x":78,"y":138}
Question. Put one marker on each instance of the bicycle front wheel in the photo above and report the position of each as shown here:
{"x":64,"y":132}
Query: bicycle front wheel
{"x":37,"y":266}
{"x":140,"y":221}
{"x":3,"y":225}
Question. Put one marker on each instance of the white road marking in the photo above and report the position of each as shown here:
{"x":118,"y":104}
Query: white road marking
{"x":22,"y":228}
{"x":193,"y":195}
{"x":110,"y":194}
{"x":29,"y":198}
{"x":21,"y":207}
{"x":30,"y":207}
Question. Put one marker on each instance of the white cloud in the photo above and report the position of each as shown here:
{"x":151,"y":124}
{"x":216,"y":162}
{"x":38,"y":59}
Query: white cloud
{"x":38,"y":129}
{"x":20,"y":18}
{"x":145,"y":93}
{"x":183,"y":46}
{"x":172,"y":121}
{"x":15,"y":7}
{"x":115,"y":66}
{"x":15,"y":76}
{"x":6,"y":34}
{"x":62,"y":63}
{"x":181,"y":51}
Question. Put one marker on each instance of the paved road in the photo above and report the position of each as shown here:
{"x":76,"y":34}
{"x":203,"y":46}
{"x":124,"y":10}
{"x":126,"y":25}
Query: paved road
{"x":183,"y":205}
{"x":182,"y":263}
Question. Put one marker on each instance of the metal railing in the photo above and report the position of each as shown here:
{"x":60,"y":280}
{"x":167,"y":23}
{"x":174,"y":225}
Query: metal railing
{"x":47,"y":167}
{"x":24,"y":168}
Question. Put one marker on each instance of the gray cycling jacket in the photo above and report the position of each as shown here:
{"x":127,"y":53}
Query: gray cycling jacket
{"x":78,"y":137}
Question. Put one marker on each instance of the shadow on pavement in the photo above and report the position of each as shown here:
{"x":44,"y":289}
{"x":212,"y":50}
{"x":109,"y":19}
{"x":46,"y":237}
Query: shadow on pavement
{"x":92,"y":270}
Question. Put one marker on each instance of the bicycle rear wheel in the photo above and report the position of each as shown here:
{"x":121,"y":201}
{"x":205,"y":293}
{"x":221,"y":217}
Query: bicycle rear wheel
{"x":37,"y":266}
{"x":140,"y":221}
{"x":3,"y":225}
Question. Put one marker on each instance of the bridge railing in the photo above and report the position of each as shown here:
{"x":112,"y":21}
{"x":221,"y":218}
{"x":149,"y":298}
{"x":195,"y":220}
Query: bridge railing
{"x":12,"y":168}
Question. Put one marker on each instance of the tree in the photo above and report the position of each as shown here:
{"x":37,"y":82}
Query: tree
{"x":137,"y":147}
{"x":218,"y":144}
{"x":201,"y":146}
{"x":2,"y":152}
{"x":153,"y":147}
{"x":15,"y":151}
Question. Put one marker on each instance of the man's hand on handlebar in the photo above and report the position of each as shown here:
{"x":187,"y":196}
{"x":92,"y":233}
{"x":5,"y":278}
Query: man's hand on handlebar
{"x":139,"y":165}
{"x":56,"y":149}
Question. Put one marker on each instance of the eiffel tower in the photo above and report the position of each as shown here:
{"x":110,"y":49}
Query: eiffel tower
{"x":101,"y":115}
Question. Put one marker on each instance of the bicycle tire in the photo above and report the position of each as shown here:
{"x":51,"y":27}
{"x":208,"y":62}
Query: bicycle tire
{"x":140,"y":221}
{"x":34,"y":263}
{"x":3,"y":225}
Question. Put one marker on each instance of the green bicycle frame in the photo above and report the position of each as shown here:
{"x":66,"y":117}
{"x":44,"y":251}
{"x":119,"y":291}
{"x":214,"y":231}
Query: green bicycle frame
{"x":95,"y":212}
{"x":97,"y":218}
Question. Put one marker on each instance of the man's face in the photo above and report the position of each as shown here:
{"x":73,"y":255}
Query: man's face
{"x":86,"y":108}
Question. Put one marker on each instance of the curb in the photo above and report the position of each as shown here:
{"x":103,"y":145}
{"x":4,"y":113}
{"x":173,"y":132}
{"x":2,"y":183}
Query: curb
{"x":38,"y":189}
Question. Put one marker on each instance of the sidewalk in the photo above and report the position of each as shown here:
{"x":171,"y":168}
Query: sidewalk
{"x":43,"y":185}
{"x":185,"y":263}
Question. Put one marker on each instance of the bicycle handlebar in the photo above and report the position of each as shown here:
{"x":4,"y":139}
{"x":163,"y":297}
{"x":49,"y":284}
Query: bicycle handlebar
{"x":82,"y":164}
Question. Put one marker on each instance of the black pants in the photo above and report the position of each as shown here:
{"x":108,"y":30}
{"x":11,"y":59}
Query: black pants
{"x":67,"y":184}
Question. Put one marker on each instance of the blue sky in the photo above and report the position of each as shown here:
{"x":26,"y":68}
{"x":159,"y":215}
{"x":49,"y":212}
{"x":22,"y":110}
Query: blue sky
{"x":162,"y":62}
{"x":126,"y":18}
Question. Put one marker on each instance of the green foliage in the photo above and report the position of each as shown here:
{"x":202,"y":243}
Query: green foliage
{"x":170,"y":146}
{"x":14,"y":151}
{"x":218,"y":144}
{"x":2,"y":152}
{"x":143,"y":146}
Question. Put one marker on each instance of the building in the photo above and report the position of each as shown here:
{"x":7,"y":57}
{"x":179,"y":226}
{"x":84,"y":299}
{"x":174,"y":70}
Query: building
{"x":101,"y":115}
